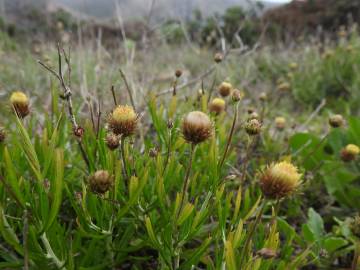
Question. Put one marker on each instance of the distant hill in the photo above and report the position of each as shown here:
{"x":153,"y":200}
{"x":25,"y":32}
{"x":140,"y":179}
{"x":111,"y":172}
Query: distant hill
{"x":133,"y":9}
{"x":299,"y":16}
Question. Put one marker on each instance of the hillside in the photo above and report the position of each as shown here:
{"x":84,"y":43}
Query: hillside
{"x":299,"y":16}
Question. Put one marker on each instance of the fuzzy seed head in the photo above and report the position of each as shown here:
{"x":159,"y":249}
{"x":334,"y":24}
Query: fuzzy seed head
{"x":236,"y":95}
{"x":123,"y":120}
{"x":293,"y":65}
{"x":178,"y":73}
{"x":218,"y":57}
{"x":355,"y":226}
{"x":336,"y":120}
{"x":280,"y":123}
{"x":20,"y":103}
{"x":196,"y":127}
{"x":263,"y":96}
{"x":253,"y":127}
{"x":101,"y":181}
{"x":284,"y":87}
{"x":112,"y":141}
{"x":225,"y":89}
{"x":350,"y":152}
{"x":217,"y":105}
{"x":279,"y":180}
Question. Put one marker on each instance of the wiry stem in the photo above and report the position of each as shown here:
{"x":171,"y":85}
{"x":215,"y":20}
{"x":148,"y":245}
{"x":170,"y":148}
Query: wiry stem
{"x":247,"y":158}
{"x":122,"y":147}
{"x":186,"y":180}
{"x":168,"y":153}
{"x":127,"y":86}
{"x":251,"y":233}
{"x":230,"y":137}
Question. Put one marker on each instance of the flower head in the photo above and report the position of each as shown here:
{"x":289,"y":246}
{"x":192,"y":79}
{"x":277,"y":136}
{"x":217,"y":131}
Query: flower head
{"x":196,"y":127}
{"x":123,"y":120}
{"x":20,"y":103}
{"x":253,"y":126}
{"x":225,"y":89}
{"x":336,"y":120}
{"x":112,"y":141}
{"x":100,"y":181}
{"x":350,"y":152}
{"x":284,"y":87}
{"x":236,"y":95}
{"x":280,"y":123}
{"x":217,"y":105}
{"x":279,"y":180}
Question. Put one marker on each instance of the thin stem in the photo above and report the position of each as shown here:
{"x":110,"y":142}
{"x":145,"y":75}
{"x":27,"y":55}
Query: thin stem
{"x":186,"y":180}
{"x":25,"y":240}
{"x":113,"y":94}
{"x":247,"y":158}
{"x":230,"y":137}
{"x":354,"y":265}
{"x":122,"y":146}
{"x":316,"y":147}
{"x":251,"y":233}
{"x":128,"y":88}
{"x":168,"y":153}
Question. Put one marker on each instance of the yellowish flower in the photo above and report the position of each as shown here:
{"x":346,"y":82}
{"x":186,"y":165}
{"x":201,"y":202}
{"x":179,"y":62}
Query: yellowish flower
{"x":280,"y":180}
{"x":20,"y":103}
{"x":196,"y":127}
{"x":217,"y":105}
{"x":123,"y":120}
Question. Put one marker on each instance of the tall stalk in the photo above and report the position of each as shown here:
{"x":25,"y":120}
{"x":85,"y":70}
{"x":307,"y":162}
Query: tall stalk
{"x":230,"y":137}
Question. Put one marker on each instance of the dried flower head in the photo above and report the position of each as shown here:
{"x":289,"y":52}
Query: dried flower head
{"x":153,"y":152}
{"x":196,"y":127}
{"x":253,"y":126}
{"x":2,"y":135}
{"x":354,"y":226}
{"x":336,"y":120}
{"x":112,"y":141}
{"x":225,"y":89}
{"x":250,"y":110}
{"x":218,"y":57}
{"x":237,"y":95}
{"x":267,"y":253}
{"x":284,"y":87}
{"x":20,"y":103}
{"x":350,"y":152}
{"x":123,"y":120}
{"x":217,"y":105}
{"x":293,"y":65}
{"x":280,"y":123}
{"x":101,"y":181}
{"x":79,"y":131}
{"x":263,"y":96}
{"x":254,"y":115}
{"x":178,"y":73}
{"x":279,"y":180}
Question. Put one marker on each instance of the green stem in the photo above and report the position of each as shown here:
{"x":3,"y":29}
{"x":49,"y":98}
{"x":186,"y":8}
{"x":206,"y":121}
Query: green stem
{"x":251,"y":233}
{"x":122,"y":146}
{"x":186,"y":180}
{"x":168,"y":153}
{"x":229,"y":138}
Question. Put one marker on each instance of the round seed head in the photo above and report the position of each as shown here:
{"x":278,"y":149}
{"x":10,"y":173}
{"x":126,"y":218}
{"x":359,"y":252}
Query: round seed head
{"x":123,"y":120}
{"x":20,"y":103}
{"x":178,"y":73}
{"x":280,"y":123}
{"x":350,"y":152}
{"x":253,"y":127}
{"x":263,"y":97}
{"x":196,"y":127}
{"x":284,"y":87}
{"x":236,"y":95}
{"x":355,"y":226}
{"x":217,"y":105}
{"x":79,"y":132}
{"x":293,"y":65}
{"x":101,"y":181}
{"x":279,"y":180}
{"x":225,"y":89}
{"x":112,"y":141}
{"x":336,"y":120}
{"x":218,"y":57}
